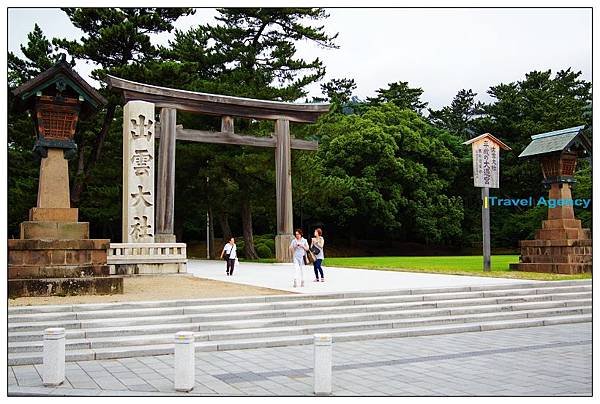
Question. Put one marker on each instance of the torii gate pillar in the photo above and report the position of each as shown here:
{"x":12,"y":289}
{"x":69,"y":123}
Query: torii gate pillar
{"x":165,"y":184}
{"x":283,"y":183}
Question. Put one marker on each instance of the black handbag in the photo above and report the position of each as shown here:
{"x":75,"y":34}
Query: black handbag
{"x":315,"y":250}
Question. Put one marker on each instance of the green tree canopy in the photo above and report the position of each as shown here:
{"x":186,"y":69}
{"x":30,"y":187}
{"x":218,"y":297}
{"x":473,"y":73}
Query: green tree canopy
{"x":459,"y":115}
{"x":401,"y":95}
{"x":388,"y":171}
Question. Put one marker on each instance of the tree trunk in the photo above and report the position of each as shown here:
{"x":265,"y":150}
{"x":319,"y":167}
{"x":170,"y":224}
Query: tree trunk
{"x":225,"y":228}
{"x":214,"y":253}
{"x":249,"y":250}
{"x":84,"y":171}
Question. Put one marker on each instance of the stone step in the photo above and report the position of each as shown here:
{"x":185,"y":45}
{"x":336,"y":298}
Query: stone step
{"x":390,"y":320}
{"x":280,"y":298}
{"x":449,"y":329}
{"x":366,"y":306}
{"x":299,"y":317}
{"x":163,"y":349}
{"x":328,"y":302}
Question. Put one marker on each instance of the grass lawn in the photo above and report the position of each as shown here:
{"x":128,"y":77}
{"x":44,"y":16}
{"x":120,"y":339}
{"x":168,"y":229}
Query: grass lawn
{"x":455,"y":265}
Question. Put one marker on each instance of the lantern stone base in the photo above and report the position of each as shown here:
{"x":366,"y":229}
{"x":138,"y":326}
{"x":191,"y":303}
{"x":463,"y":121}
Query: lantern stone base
{"x":53,"y":214}
{"x":104,"y":285}
{"x":43,"y":230}
{"x":561,"y":247}
{"x":47,"y":267}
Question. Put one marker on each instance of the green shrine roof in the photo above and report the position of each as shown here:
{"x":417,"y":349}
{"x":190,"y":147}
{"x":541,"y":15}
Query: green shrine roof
{"x":555,"y":142}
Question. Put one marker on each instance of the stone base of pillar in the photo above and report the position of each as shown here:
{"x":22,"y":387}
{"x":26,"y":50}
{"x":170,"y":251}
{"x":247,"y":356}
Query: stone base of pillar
{"x":561,"y":246}
{"x":164,"y":238}
{"x":60,"y":267}
{"x":555,"y":256}
{"x":282,"y":247}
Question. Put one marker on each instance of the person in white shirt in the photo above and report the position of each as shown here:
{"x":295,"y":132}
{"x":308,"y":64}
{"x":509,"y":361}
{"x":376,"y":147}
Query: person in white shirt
{"x":230,"y":252}
{"x":299,"y":247}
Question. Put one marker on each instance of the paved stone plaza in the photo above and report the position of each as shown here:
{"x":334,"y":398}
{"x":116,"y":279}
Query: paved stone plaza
{"x":552,"y":360}
{"x":280,"y":276}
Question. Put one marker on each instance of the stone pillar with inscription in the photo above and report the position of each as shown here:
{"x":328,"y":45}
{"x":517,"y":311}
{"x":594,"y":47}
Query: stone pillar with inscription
{"x":143,"y":251}
{"x":138,"y":172}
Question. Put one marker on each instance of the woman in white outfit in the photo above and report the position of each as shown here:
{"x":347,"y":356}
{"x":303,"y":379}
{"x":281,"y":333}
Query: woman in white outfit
{"x":299,"y":247}
{"x":230,"y":252}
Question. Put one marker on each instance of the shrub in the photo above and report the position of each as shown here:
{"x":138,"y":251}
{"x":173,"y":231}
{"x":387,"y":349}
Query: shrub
{"x":263,"y":251}
{"x":270,"y":243}
{"x":240,"y":248}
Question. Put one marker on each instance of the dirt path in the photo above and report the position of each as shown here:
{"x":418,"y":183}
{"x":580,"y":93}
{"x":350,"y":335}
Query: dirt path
{"x":157,"y":288}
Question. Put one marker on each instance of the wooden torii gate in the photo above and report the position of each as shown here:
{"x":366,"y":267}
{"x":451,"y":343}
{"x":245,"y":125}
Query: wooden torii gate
{"x":169,"y":100}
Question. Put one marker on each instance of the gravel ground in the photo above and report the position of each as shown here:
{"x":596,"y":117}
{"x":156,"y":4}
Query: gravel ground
{"x":157,"y":288}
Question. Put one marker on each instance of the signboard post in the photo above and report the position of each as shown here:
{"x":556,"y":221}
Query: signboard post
{"x":486,"y":175}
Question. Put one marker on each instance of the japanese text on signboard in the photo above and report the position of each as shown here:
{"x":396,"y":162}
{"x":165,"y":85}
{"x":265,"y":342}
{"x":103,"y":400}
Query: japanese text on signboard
{"x":486,"y":164}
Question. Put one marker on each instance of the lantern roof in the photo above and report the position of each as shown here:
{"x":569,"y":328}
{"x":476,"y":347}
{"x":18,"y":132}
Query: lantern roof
{"x":59,"y":79}
{"x":558,"y":141}
{"x":492,"y":138}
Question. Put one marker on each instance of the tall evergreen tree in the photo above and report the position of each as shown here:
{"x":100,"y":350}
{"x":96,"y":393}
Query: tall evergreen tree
{"x":337,"y":91}
{"x":401,"y":95}
{"x":459,"y":115}
{"x":115,"y":39}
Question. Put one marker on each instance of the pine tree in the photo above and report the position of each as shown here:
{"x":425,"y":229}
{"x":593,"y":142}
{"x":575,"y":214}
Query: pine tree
{"x":459,"y":115}
{"x":115,"y":39}
{"x":401,"y":95}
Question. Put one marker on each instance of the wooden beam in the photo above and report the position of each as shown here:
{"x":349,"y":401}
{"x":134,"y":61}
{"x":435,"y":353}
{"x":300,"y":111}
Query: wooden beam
{"x":214,"y":104}
{"x":203,"y":136}
{"x":299,"y":144}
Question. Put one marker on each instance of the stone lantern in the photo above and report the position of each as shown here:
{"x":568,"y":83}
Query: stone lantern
{"x":561,"y":245}
{"x":54,"y":254}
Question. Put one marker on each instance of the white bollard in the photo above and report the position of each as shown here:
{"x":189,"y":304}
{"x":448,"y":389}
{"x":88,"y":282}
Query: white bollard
{"x":184,"y":361}
{"x":323,"y":363}
{"x":54,"y":357}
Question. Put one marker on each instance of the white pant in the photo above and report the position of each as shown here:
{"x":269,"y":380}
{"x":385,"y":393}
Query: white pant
{"x":299,"y":266}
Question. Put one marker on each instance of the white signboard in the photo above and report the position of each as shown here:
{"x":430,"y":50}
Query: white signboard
{"x":138,"y":172}
{"x":486,"y":163}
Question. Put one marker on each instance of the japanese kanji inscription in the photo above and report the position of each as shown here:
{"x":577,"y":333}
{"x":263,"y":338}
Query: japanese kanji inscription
{"x":486,"y":155}
{"x":138,"y":172}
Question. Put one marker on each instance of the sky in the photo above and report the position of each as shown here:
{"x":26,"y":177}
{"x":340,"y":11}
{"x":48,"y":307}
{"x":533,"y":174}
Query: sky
{"x":440,"y":50}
